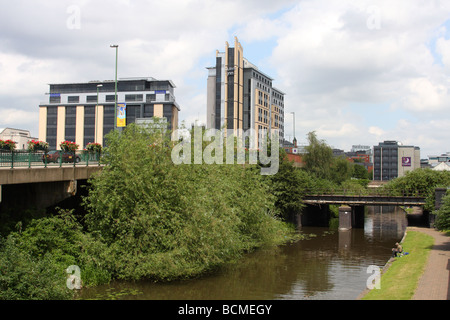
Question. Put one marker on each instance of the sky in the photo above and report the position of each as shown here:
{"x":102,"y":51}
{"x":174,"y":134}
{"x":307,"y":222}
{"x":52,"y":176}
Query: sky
{"x":355,"y":72}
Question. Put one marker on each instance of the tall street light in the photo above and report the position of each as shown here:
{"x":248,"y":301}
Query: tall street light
{"x":115,"y":90}
{"x":293,"y":113}
{"x":96,"y":115}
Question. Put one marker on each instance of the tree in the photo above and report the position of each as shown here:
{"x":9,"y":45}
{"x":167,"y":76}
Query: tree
{"x":341,"y":170}
{"x":165,"y":221}
{"x":289,"y":186}
{"x":420,"y":182}
{"x":318,"y":158}
{"x":443,"y":214}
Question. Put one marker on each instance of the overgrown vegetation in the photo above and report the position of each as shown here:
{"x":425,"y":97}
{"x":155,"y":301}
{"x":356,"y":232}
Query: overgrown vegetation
{"x":424,"y":182}
{"x":149,"y":218}
{"x":443,"y":214}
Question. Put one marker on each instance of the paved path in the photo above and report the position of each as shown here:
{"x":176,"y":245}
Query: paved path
{"x":435,"y":281}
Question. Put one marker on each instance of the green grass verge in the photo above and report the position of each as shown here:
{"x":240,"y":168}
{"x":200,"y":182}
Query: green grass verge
{"x":400,"y":280}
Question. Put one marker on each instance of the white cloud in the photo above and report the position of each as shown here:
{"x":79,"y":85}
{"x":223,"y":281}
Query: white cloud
{"x":336,"y":60}
{"x":329,"y":60}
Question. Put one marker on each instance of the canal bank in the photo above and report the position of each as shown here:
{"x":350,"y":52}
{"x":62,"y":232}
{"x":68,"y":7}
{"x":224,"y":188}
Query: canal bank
{"x":330,"y":265}
{"x":422,"y":274}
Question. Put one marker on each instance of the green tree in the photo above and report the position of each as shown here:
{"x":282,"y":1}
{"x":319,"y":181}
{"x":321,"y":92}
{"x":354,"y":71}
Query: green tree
{"x":443,"y":214}
{"x":164,"y":221}
{"x":360,"y":172}
{"x":318,"y":158}
{"x":341,"y":170}
{"x":289,"y":186}
{"x":420,"y":182}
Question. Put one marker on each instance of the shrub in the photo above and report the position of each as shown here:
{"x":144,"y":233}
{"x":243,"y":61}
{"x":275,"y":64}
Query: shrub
{"x":164,"y":221}
{"x":443,"y":214}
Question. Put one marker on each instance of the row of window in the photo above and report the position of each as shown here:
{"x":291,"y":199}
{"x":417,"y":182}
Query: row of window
{"x":111,"y":98}
{"x":263,"y":116}
{"x":262,"y":79}
{"x":122,"y":86}
{"x":89,"y":124}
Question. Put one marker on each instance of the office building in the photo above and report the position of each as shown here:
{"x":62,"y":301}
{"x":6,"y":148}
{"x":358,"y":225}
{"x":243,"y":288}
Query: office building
{"x":84,"y":112}
{"x":393,"y":160}
{"x":242,"y":97}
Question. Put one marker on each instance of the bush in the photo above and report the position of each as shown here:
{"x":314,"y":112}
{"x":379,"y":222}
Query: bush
{"x":33,"y":262}
{"x":164,"y":221}
{"x":443,"y":214}
{"x":27,"y":277}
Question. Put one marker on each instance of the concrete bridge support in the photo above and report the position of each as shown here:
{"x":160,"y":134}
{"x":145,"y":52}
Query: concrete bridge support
{"x":351,"y":217}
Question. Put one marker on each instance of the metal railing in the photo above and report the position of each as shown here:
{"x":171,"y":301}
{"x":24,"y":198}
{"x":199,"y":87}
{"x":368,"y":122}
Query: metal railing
{"x":29,"y":159}
{"x":371,"y":192}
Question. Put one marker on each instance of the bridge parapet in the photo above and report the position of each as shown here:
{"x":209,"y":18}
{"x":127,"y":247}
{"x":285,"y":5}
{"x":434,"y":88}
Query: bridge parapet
{"x":364,"y":200}
{"x":49,"y":174}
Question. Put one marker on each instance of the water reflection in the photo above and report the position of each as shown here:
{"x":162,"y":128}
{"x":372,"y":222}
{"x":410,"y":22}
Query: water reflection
{"x":330,"y":265}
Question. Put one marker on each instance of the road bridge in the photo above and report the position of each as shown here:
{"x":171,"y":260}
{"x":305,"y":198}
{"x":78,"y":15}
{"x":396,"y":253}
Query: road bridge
{"x":42,"y":186}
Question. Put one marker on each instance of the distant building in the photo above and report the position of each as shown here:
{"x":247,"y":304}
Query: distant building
{"x":84,"y":112}
{"x":438,"y":159}
{"x":443,"y":166}
{"x":19,"y":136}
{"x":393,"y":160}
{"x":242,"y":97}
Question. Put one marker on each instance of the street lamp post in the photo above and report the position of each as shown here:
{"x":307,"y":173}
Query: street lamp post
{"x":115,"y":90}
{"x":293,"y":113}
{"x":96,"y":115}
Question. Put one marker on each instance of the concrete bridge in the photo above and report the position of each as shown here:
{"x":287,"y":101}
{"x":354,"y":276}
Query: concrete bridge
{"x":41,"y":187}
{"x":373,"y":200}
{"x":351,"y":210}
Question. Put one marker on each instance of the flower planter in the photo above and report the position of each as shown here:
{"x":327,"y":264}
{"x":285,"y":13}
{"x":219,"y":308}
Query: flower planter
{"x":68,"y":146}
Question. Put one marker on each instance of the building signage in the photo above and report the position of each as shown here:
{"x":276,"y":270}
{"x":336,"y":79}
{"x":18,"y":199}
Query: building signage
{"x":55,"y":95}
{"x":121,"y":115}
{"x":406,"y":161}
{"x":160,"y":91}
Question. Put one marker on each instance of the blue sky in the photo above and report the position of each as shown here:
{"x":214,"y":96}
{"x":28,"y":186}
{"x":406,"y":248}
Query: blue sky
{"x":356,"y":72}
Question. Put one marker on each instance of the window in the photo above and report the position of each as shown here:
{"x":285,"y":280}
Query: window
{"x":134,"y":97}
{"x":73,"y":99}
{"x":55,"y":99}
{"x":110,"y":98}
{"x":92,"y":99}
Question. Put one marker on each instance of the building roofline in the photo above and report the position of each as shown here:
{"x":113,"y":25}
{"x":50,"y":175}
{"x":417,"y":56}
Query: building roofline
{"x":120,"y":79}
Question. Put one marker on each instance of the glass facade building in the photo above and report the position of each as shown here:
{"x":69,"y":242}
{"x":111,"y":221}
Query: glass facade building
{"x":240,"y":96}
{"x":84,"y":112}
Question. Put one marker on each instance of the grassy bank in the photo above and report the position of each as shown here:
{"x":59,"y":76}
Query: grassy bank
{"x":400,"y":280}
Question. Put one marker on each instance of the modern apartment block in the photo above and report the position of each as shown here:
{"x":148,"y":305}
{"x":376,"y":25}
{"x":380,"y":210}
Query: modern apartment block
{"x":393,"y":160}
{"x":84,"y":112}
{"x":242,"y":97}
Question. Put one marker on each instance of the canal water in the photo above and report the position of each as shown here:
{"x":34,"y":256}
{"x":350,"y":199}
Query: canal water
{"x":329,"y":265}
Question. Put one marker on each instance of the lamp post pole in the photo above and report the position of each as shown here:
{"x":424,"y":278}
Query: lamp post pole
{"x":293,"y":113}
{"x":115,"y":90}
